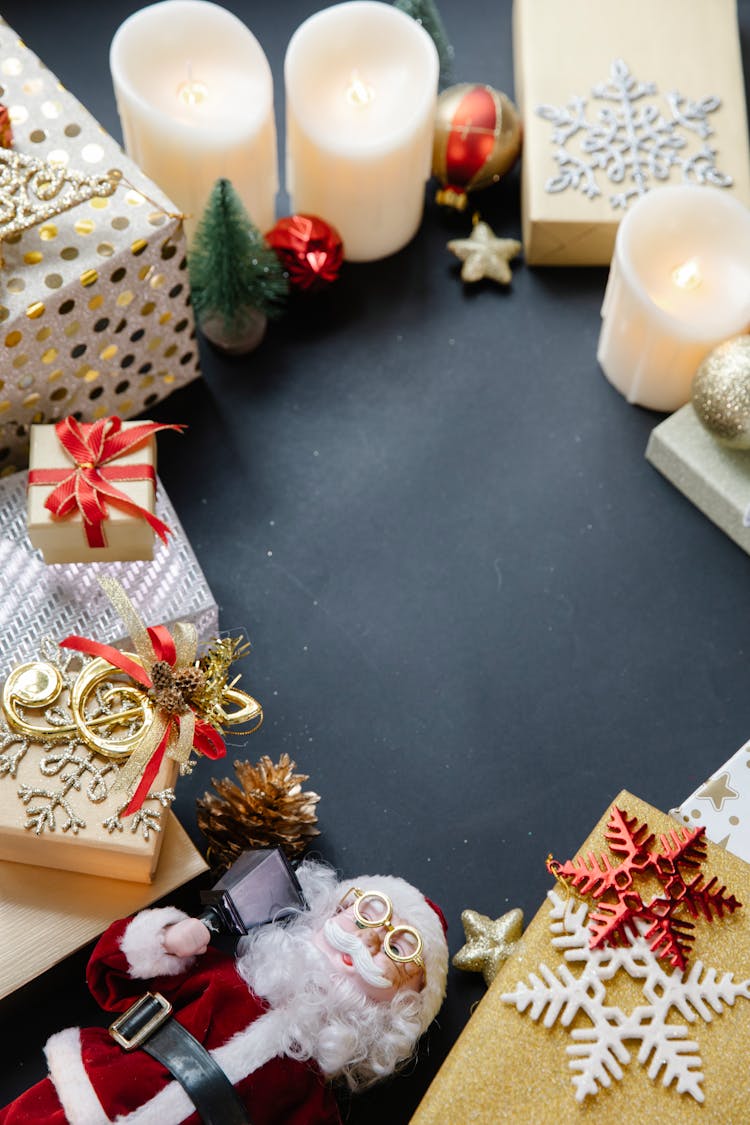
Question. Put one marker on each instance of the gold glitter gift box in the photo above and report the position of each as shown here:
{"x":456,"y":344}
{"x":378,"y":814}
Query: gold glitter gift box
{"x":95,"y":313}
{"x":613,"y":95}
{"x":507,"y":1066}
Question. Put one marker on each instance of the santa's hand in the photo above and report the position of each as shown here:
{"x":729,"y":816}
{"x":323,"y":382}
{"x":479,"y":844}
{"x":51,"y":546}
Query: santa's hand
{"x":187,"y":938}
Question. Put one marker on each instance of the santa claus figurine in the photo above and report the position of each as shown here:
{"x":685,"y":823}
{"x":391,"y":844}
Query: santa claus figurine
{"x":342,"y":991}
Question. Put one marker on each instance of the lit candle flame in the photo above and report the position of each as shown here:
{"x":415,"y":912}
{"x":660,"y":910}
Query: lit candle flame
{"x":192,"y":92}
{"x":359,"y":92}
{"x":688,"y":275}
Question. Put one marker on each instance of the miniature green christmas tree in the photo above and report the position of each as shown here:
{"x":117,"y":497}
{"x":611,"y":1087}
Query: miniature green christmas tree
{"x":236,"y":279}
{"x":426,"y":12}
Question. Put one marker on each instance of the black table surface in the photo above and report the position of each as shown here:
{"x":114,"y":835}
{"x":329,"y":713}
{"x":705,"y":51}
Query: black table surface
{"x":477,"y":612}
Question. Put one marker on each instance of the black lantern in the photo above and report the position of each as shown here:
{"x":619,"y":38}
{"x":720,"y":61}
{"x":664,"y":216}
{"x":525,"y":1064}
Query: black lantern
{"x":259,"y":887}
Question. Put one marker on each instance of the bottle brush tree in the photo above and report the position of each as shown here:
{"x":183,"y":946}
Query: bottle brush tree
{"x":236,"y":279}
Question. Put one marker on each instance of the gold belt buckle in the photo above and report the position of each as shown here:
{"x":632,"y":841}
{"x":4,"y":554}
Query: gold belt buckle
{"x":142,"y":1034}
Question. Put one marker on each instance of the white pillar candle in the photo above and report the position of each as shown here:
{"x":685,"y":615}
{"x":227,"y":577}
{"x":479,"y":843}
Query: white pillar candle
{"x":679,"y":284}
{"x":195,"y":98}
{"x":361,"y":88}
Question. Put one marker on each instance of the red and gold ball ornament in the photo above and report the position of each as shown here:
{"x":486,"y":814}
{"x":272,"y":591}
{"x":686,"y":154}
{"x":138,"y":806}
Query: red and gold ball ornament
{"x":309,"y":249}
{"x":477,"y":140}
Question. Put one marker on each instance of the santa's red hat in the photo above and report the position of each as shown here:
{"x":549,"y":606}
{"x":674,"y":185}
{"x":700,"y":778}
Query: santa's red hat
{"x":414,"y":909}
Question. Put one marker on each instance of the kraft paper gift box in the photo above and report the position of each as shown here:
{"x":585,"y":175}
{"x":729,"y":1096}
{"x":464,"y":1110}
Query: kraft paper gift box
{"x":508,"y":1066}
{"x":667,"y":73}
{"x":714,"y":478}
{"x":52,"y":814}
{"x":128,"y":538}
{"x":722,"y":804}
{"x":95,"y":312}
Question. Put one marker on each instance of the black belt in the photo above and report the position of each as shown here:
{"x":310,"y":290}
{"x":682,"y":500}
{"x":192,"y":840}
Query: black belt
{"x":147,"y":1024}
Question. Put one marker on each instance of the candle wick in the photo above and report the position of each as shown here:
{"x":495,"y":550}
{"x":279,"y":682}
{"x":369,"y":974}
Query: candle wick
{"x":687,"y":275}
{"x":359,"y":92}
{"x":192,"y":92}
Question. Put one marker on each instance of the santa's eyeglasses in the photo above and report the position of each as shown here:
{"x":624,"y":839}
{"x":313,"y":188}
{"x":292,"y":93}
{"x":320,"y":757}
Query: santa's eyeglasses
{"x":374,"y":910}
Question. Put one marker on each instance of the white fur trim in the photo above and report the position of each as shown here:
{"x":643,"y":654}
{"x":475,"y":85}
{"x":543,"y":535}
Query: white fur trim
{"x":77,"y":1095}
{"x":143,"y":945}
{"x":245,"y":1053}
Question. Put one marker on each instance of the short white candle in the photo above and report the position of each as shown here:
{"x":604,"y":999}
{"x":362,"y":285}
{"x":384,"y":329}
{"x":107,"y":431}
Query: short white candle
{"x":195,"y":97}
{"x":679,"y":284}
{"x":361,"y":87}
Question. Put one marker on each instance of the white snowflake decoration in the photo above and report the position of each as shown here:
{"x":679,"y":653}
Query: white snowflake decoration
{"x":631,"y":141}
{"x":599,"y":1052}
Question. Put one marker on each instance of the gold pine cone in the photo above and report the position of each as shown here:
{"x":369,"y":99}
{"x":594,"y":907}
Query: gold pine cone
{"x":267,"y":809}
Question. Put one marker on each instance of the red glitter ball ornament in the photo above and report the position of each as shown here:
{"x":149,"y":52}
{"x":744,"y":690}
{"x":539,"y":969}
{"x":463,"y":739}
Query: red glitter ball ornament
{"x":309,"y":249}
{"x":6,"y":130}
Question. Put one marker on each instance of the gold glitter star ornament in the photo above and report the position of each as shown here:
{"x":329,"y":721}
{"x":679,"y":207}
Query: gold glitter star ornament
{"x":489,"y":942}
{"x":484,"y":255}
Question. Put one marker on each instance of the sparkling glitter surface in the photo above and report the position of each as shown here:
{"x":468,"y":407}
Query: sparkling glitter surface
{"x":721,"y":393}
{"x":38,"y":600}
{"x":508,"y":1068}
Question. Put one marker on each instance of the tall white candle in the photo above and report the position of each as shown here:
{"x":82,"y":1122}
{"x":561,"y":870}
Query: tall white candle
{"x":361,"y":87}
{"x":195,"y":97}
{"x":679,"y":284}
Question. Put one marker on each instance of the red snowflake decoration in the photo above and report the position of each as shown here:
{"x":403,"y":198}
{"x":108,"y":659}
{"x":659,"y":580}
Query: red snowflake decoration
{"x":682,"y":851}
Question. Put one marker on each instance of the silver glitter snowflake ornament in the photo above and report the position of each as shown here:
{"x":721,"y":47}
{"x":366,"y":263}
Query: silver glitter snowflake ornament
{"x":631,"y":141}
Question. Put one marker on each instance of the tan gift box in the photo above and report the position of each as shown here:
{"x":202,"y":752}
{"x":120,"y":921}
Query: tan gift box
{"x":508,"y":1067}
{"x":67,"y":725}
{"x":128,"y":537}
{"x":48,"y":822}
{"x":563,"y":50}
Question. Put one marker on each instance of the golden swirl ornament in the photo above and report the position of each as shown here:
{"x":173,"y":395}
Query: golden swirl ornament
{"x":101,"y":704}
{"x":138,"y":707}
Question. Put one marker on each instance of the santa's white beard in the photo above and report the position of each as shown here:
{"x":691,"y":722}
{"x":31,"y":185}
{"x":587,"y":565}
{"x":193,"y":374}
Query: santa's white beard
{"x":327,"y":1019}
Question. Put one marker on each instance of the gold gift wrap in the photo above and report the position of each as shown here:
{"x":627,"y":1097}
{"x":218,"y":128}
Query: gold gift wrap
{"x":67,"y":724}
{"x":563,"y":50}
{"x":94,"y":302}
{"x":509,"y":1067}
{"x":128,"y":537}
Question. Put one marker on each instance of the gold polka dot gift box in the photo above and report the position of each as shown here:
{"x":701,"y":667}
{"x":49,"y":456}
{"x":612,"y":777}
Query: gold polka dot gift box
{"x":94,"y":296}
{"x":626,"y":999}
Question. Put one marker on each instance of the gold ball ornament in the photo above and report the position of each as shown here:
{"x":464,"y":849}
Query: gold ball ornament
{"x":477,"y":140}
{"x":721,"y":393}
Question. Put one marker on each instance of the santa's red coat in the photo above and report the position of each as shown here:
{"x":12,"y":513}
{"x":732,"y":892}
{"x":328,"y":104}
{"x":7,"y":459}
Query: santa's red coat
{"x":93,"y":1082}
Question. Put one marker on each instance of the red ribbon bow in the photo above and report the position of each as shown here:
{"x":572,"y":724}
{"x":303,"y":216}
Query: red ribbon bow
{"x":88,"y":485}
{"x":206,"y":739}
